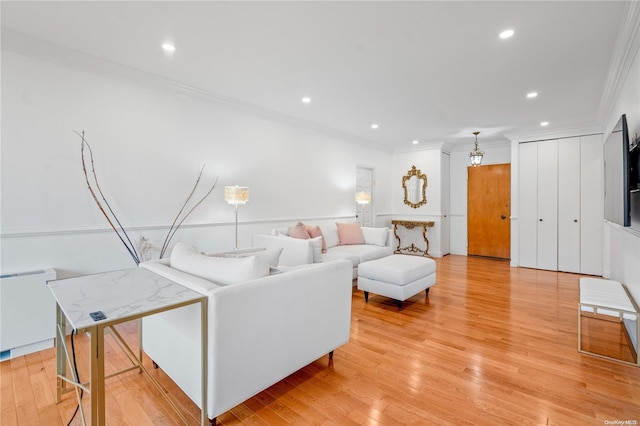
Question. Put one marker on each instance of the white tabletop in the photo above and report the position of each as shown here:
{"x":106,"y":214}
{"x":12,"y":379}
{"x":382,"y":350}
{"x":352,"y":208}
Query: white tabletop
{"x":119,"y":295}
{"x":604,"y":293}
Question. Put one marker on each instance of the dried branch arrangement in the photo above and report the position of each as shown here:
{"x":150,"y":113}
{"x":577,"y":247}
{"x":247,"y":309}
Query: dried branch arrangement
{"x":106,"y":210}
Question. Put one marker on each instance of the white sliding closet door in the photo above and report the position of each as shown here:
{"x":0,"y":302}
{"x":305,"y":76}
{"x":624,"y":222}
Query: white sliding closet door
{"x":528,"y":206}
{"x":547,"y":250}
{"x":569,"y":205}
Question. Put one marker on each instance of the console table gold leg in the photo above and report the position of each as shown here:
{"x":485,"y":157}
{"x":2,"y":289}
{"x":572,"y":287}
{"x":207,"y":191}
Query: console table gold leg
{"x":395,"y":232}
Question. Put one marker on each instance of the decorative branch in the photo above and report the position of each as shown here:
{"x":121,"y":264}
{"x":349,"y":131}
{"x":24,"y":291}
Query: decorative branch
{"x":174,"y":227}
{"x":111,"y":217}
{"x":120,"y":231}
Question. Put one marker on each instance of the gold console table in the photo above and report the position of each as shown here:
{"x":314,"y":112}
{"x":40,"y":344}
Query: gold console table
{"x":410,"y":224}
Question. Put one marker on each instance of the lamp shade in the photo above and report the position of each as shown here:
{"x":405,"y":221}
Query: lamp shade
{"x":236,"y":195}
{"x":363,"y":197}
{"x":476,"y":155}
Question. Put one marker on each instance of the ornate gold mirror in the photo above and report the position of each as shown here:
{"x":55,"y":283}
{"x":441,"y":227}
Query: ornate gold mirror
{"x":415,"y":188}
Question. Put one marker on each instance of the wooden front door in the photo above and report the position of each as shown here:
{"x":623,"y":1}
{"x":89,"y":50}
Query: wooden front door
{"x":489,"y":211}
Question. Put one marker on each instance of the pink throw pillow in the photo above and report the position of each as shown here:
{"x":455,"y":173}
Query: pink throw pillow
{"x":299,"y":231}
{"x":349,"y":233}
{"x":314,"y":231}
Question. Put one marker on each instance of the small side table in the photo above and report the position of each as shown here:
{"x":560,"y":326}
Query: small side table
{"x":610,"y":298}
{"x":122,"y":296}
{"x":411,"y":224}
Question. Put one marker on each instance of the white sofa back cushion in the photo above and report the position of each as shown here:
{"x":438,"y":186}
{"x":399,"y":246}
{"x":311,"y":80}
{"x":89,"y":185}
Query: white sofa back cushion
{"x":330,"y":233}
{"x":375,"y":236}
{"x":220,"y":270}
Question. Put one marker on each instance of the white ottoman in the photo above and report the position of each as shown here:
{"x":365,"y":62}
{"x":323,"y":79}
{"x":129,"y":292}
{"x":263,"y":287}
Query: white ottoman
{"x":397,"y":276}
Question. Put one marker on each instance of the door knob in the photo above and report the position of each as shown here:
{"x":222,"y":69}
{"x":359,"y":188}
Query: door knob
{"x":503,"y":217}
{"x":575,"y":220}
{"x":540,"y":220}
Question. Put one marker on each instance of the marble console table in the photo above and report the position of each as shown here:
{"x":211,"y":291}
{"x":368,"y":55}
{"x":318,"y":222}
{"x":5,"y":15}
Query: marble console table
{"x":122,"y":296}
{"x":411,"y":224}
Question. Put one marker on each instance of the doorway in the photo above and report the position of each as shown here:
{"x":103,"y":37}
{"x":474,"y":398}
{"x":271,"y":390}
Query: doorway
{"x":364,"y":182}
{"x":489,"y":211}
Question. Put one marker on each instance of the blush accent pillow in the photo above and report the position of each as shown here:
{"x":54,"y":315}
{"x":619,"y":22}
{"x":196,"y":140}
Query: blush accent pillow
{"x":299,"y":231}
{"x":375,"y":236}
{"x":220,"y":270}
{"x":315,"y":231}
{"x":349,"y":233}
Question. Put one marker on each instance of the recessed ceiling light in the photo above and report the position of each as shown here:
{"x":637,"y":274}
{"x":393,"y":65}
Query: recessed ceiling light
{"x":532,"y":94}
{"x":306,"y":99}
{"x":506,"y":34}
{"x":168,"y":47}
{"x":415,"y":142}
{"x":374,"y":126}
{"x":544,"y":123}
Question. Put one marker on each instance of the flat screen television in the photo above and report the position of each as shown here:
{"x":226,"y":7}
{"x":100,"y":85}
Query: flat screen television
{"x":617,"y":196}
{"x":634,"y":184}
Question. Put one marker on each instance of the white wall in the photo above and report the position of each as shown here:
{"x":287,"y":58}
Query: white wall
{"x":429,"y":163}
{"x":622,"y":245}
{"x":149,"y":144}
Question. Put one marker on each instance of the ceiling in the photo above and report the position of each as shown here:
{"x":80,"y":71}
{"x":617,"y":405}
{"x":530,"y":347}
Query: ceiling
{"x":427,"y":71}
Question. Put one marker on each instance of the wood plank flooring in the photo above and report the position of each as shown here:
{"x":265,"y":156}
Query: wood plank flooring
{"x":490,"y":345}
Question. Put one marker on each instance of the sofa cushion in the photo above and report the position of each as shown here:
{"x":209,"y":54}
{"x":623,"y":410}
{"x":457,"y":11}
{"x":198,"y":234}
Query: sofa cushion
{"x":375,"y":236}
{"x":299,"y":231}
{"x":330,"y":234}
{"x":349,"y":233}
{"x":221,"y":270}
{"x":357,"y":253}
{"x":336,"y":253}
{"x":314,"y":231}
{"x":316,"y":244}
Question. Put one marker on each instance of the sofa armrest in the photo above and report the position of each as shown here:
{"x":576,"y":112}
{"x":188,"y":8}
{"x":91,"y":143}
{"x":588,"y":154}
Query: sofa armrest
{"x":161,"y":267}
{"x":295,"y":251}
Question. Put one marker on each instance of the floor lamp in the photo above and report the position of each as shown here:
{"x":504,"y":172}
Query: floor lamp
{"x":363,"y":198}
{"x":236,"y":195}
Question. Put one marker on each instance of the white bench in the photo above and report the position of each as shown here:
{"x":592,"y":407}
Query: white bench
{"x":397,"y":276}
{"x":610,"y":298}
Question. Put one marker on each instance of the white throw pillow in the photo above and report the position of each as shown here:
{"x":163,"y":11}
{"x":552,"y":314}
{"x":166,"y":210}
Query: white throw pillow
{"x":330,"y":233}
{"x":375,"y":236}
{"x":317,"y":249}
{"x":221,"y":270}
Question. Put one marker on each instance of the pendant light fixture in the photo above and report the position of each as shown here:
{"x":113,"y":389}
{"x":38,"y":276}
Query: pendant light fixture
{"x":476,"y":155}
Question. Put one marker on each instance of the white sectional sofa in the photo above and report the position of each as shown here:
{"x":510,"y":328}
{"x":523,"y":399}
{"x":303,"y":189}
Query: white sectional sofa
{"x":260,"y":330}
{"x":378,"y":243}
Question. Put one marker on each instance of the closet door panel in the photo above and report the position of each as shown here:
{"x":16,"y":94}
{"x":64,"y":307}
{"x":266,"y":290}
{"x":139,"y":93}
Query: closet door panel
{"x":547,"y":250}
{"x":528,"y":205}
{"x":569,"y":205}
{"x":591,"y":205}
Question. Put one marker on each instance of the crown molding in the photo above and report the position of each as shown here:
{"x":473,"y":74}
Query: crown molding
{"x":482,"y":145}
{"x":625,"y":51}
{"x":24,"y":45}
{"x":566,"y":132}
{"x":425,"y":146}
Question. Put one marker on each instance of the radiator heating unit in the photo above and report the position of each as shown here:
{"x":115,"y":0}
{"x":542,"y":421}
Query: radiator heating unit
{"x":27,"y":313}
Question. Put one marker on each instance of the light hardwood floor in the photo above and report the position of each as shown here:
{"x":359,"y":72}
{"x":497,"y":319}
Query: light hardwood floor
{"x":491,"y":345}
